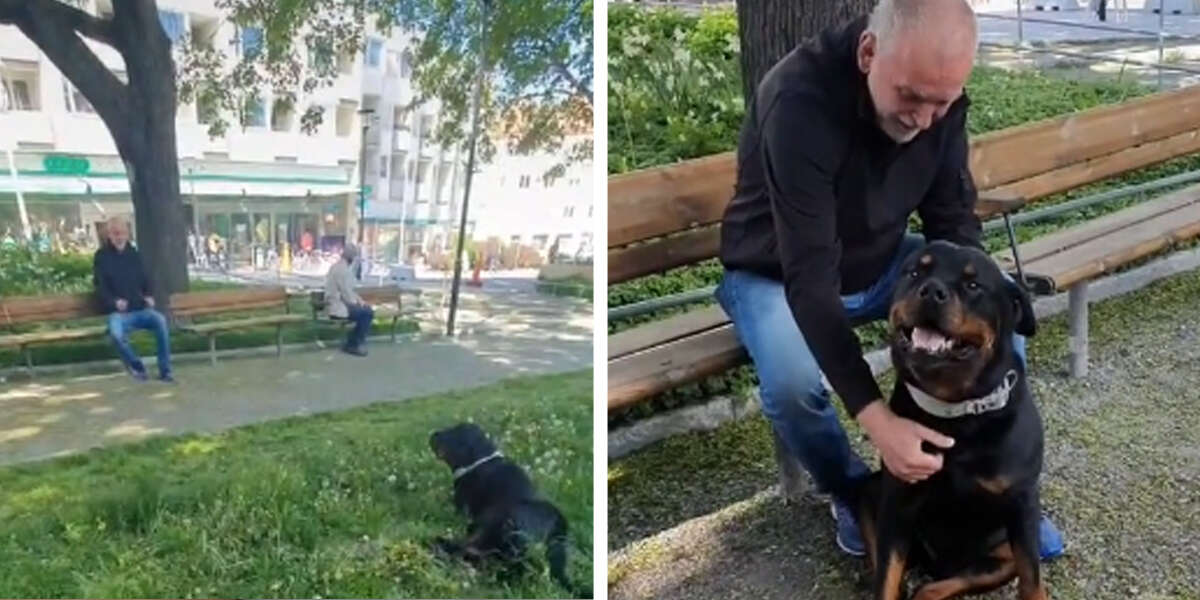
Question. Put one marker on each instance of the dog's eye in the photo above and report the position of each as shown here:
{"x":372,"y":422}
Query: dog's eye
{"x":914,"y":273}
{"x":972,"y":285}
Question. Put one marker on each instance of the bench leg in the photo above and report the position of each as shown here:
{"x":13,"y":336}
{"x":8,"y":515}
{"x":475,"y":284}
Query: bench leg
{"x":395,"y":319}
{"x":791,"y":480}
{"x":28,"y":359}
{"x":212,"y":348}
{"x":278,"y":341}
{"x":1078,"y":341}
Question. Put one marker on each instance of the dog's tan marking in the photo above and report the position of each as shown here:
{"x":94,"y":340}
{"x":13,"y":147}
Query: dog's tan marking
{"x":969,"y":270}
{"x":926,"y":260}
{"x":975,"y":583}
{"x":893,"y":580}
{"x":996,"y":485}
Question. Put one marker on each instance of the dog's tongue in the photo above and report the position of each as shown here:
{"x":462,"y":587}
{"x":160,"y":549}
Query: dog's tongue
{"x":928,"y":339}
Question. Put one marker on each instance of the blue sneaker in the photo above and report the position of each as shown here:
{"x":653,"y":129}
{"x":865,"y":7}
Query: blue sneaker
{"x":1050,"y":541}
{"x":848,"y":537}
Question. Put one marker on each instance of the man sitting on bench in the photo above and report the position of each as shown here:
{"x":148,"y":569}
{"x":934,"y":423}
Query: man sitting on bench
{"x":847,"y":137}
{"x":342,"y":302}
{"x":123,"y":290}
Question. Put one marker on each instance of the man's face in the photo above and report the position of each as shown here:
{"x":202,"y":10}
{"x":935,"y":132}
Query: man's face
{"x":912,"y":81}
{"x":118,"y":235}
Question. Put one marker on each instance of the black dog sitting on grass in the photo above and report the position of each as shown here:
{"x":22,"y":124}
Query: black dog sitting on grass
{"x":505,"y":510}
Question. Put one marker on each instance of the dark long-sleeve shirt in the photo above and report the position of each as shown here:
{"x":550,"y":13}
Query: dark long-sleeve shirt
{"x":823,"y":196}
{"x":120,"y":275}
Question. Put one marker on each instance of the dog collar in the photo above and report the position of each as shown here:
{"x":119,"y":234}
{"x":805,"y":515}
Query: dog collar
{"x":996,"y":400}
{"x":459,"y":472}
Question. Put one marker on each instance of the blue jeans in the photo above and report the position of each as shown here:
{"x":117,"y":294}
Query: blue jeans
{"x":794,"y":399}
{"x":361,"y":316}
{"x":121,"y":324}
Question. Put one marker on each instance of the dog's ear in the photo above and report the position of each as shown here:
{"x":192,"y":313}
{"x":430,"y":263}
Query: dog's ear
{"x":1024,"y":321}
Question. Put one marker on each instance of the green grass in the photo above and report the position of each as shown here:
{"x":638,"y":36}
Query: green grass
{"x":335,"y":506}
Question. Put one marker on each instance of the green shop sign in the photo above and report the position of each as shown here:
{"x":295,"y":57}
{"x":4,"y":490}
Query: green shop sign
{"x":66,"y":165}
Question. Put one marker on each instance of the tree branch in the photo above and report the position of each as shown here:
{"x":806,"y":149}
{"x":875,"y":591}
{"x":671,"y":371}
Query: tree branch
{"x":55,"y":28}
{"x":581,"y":89}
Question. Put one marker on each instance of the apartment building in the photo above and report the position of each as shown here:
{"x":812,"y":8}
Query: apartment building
{"x":414,"y":185}
{"x":261,"y":185}
{"x":518,"y":202}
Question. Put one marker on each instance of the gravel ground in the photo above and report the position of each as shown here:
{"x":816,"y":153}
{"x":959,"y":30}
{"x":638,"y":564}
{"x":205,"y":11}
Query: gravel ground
{"x":688,"y":517}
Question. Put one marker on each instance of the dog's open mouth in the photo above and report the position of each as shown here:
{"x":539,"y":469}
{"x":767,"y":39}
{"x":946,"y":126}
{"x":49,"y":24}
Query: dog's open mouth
{"x":935,"y":343}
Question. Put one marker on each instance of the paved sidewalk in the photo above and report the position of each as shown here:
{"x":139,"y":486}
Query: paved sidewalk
{"x":59,"y":416}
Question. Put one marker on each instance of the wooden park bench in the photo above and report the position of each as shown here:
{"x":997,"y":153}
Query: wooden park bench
{"x":188,"y":305}
{"x":387,"y":301}
{"x":668,"y":217}
{"x":17,"y":311}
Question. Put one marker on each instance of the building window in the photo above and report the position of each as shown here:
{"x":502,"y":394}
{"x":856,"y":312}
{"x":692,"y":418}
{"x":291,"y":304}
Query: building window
{"x":539,"y":241}
{"x":173,"y":24}
{"x":346,"y":63}
{"x":383,"y":166}
{"x":523,"y":182}
{"x":590,"y":211}
{"x":406,"y":60}
{"x":568,"y":211}
{"x":256,"y":112}
{"x":75,"y":101}
{"x":398,"y":159}
{"x":345,"y":119}
{"x":426,"y":127}
{"x":252,"y":42}
{"x":16,"y":95}
{"x":516,"y":239}
{"x":400,"y":119}
{"x":374,"y":52}
{"x":281,"y":116}
{"x":423,"y":170}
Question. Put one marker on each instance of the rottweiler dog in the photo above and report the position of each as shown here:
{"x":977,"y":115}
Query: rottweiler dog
{"x":973,"y":525}
{"x":505,"y":510}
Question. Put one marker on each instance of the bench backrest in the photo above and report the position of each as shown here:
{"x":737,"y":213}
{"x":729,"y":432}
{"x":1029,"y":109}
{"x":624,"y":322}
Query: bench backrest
{"x":666,"y":217}
{"x":15,"y":310}
{"x":187,"y":304}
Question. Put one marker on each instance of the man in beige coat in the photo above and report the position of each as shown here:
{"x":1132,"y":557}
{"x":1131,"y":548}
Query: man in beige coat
{"x":343,"y":303}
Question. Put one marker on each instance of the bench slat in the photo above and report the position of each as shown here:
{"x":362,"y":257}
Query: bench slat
{"x":57,"y":335}
{"x":1105,"y":254}
{"x":1046,"y":247}
{"x":660,"y":255}
{"x":666,"y":330}
{"x":217,"y":301}
{"x":1053,"y":153}
{"x":243,"y":323}
{"x":61,"y":307}
{"x":1100,"y":168}
{"x":1020,"y":152}
{"x":637,"y":376}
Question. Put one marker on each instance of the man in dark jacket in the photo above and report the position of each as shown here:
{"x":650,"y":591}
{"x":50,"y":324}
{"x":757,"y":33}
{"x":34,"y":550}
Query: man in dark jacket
{"x":849,"y":134}
{"x":124,"y":291}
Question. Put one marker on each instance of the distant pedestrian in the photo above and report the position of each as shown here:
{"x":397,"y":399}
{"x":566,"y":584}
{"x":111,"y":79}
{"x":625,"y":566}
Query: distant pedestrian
{"x":342,"y":302}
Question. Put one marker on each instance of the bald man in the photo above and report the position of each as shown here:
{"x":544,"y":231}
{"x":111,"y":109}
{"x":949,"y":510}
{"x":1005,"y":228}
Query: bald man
{"x":850,"y":134}
{"x":123,"y":290}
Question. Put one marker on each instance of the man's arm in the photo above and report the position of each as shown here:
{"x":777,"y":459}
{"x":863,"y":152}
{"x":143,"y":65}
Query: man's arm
{"x":801,"y":150}
{"x":346,"y":287}
{"x":948,"y":209}
{"x":100,"y":284}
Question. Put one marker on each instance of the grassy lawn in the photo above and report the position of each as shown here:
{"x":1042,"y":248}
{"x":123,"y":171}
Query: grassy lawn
{"x":333,"y":506}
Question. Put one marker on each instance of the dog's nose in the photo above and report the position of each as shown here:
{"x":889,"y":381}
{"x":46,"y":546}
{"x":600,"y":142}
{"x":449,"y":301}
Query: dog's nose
{"x":935,"y":291}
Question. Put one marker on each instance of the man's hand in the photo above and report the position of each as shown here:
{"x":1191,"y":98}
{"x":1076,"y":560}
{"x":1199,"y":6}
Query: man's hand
{"x":149,"y":301}
{"x":121,"y":304}
{"x":899,"y":442}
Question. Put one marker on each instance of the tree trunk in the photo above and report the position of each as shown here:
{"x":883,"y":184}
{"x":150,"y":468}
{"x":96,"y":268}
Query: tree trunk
{"x":150,"y":152}
{"x":769,"y":29}
{"x":140,"y":114}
